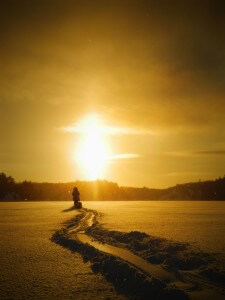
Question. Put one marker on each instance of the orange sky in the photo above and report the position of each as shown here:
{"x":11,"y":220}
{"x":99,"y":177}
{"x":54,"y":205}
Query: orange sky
{"x":155,"y":70}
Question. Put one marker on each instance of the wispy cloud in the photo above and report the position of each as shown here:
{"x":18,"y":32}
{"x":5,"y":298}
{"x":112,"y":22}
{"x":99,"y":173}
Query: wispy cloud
{"x":107,"y":130}
{"x":94,"y":123}
{"x":211,"y":152}
{"x":124,"y":156}
{"x":187,"y":174}
{"x":195,"y":153}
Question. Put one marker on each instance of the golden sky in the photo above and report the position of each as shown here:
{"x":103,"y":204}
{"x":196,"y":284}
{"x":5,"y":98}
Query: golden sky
{"x":152,"y":70}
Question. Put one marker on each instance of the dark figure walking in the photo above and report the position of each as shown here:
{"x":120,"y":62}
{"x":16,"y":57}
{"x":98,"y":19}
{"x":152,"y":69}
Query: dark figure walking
{"x":76,"y":198}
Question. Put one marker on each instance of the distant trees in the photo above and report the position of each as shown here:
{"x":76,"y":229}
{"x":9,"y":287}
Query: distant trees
{"x":105,"y":190}
{"x":7,"y":185}
{"x":26,"y":190}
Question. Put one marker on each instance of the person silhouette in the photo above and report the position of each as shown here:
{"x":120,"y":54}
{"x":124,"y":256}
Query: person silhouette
{"x":76,"y":198}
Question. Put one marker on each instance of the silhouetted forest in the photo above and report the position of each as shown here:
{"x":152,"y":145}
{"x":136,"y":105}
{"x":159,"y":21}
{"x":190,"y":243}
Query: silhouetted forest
{"x":105,"y":190}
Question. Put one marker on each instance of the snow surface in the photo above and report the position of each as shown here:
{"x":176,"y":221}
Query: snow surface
{"x":200,"y":223}
{"x":33,"y":267}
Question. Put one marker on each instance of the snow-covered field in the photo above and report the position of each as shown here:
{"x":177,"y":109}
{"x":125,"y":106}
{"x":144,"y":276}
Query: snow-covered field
{"x":200,"y":223}
{"x":33,"y":267}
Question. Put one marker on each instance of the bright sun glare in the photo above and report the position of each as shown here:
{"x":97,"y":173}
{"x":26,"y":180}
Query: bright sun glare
{"x":93,"y":151}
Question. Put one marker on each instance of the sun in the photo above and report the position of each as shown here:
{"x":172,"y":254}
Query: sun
{"x":92,"y":151}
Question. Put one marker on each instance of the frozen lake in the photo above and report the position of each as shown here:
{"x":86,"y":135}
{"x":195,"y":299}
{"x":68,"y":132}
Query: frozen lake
{"x":33,"y":267}
{"x":200,"y":223}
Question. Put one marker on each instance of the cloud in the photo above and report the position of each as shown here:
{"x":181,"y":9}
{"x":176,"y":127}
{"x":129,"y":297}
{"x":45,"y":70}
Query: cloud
{"x":172,"y":84}
{"x":107,"y":130}
{"x":92,"y":123}
{"x":188,"y":174}
{"x":212,"y":152}
{"x":195,"y":153}
{"x":124,"y":156}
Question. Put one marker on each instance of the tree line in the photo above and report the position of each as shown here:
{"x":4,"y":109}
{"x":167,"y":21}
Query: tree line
{"x":10,"y":190}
